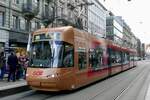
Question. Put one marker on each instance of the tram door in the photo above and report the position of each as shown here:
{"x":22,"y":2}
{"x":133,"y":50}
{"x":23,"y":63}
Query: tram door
{"x":81,"y":62}
{"x":82,"y":65}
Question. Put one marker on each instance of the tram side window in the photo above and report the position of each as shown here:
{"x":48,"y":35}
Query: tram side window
{"x":115,"y":57}
{"x":68,"y":60}
{"x":126,"y":58}
{"x":132,"y":58}
{"x":82,"y":60}
{"x":118,"y":57}
{"x":96,"y":57}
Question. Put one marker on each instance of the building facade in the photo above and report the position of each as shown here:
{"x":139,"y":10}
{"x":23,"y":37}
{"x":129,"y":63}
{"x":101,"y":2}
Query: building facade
{"x":16,"y":16}
{"x":97,"y":19}
{"x":65,"y":12}
{"x":118,"y":31}
{"x":114,"y":29}
{"x":13,"y":24}
{"x":72,"y":12}
{"x":139,"y":53}
{"x":143,"y":51}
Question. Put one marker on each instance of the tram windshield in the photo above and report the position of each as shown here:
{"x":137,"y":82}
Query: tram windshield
{"x":51,"y":54}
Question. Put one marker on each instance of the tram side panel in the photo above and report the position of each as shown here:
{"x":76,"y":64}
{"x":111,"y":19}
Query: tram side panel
{"x":91,"y":59}
{"x":98,"y":60}
{"x":81,"y":61}
{"x":132,"y":61}
{"x":126,"y":60}
{"x":115,"y":59}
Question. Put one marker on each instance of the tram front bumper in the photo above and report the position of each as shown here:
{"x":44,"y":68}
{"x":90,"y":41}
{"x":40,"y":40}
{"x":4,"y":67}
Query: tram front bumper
{"x":50,"y":84}
{"x":45,"y":86}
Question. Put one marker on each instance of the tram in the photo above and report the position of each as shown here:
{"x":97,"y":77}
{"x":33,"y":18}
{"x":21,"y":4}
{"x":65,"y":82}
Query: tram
{"x":66,"y":58}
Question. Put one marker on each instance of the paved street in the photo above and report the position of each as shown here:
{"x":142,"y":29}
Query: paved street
{"x":129,"y":85}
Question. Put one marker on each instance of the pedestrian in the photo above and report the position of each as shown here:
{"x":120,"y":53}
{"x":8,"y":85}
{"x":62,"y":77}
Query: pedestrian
{"x":24,"y":62}
{"x":2,"y":65}
{"x":19,"y":73}
{"x":12,"y":62}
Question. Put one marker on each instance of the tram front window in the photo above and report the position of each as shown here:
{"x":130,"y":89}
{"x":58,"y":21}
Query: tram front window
{"x":51,"y":54}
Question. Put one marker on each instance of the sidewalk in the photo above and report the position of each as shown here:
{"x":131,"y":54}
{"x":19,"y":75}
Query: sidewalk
{"x":4,"y":85}
{"x":9,"y":88}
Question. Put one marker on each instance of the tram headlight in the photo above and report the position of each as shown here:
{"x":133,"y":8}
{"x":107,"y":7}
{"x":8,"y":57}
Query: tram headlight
{"x":27,"y":75}
{"x":52,"y":75}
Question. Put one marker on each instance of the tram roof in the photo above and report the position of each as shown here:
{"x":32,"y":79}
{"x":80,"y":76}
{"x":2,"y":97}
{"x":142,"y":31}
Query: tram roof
{"x":61,"y":29}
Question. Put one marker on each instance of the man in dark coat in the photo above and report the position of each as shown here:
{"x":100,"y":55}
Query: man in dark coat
{"x":12,"y":62}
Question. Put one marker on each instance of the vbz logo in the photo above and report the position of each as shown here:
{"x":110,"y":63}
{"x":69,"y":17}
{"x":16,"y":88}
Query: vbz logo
{"x":37,"y":73}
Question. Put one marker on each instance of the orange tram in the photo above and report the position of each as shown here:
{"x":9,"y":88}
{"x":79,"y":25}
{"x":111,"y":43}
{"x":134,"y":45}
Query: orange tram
{"x":66,"y":58}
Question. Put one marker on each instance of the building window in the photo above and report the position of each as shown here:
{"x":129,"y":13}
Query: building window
{"x":1,"y":45}
{"x":37,"y":25}
{"x":77,"y":1}
{"x":1,"y":18}
{"x":85,"y":23}
{"x":46,"y":9}
{"x":35,"y":2}
{"x":22,"y":23}
{"x":62,"y":11}
{"x":14,"y":22}
{"x":33,"y":26}
{"x":16,"y":1}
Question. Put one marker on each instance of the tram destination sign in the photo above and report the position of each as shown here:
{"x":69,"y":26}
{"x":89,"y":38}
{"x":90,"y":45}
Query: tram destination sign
{"x":50,"y":35}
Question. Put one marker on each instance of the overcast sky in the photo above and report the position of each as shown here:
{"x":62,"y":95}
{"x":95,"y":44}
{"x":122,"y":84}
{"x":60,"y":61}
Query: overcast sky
{"x":136,"y":14}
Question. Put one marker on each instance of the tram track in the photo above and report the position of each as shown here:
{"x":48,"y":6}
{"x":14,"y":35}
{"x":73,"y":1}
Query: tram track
{"x":30,"y":95}
{"x":140,"y":76}
{"x":37,"y":95}
{"x":135,"y":78}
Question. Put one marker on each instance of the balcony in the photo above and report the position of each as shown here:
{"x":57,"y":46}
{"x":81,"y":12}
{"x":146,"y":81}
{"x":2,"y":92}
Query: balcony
{"x":30,"y":10}
{"x":71,"y":5}
{"x":64,"y":19}
{"x":48,"y":16}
